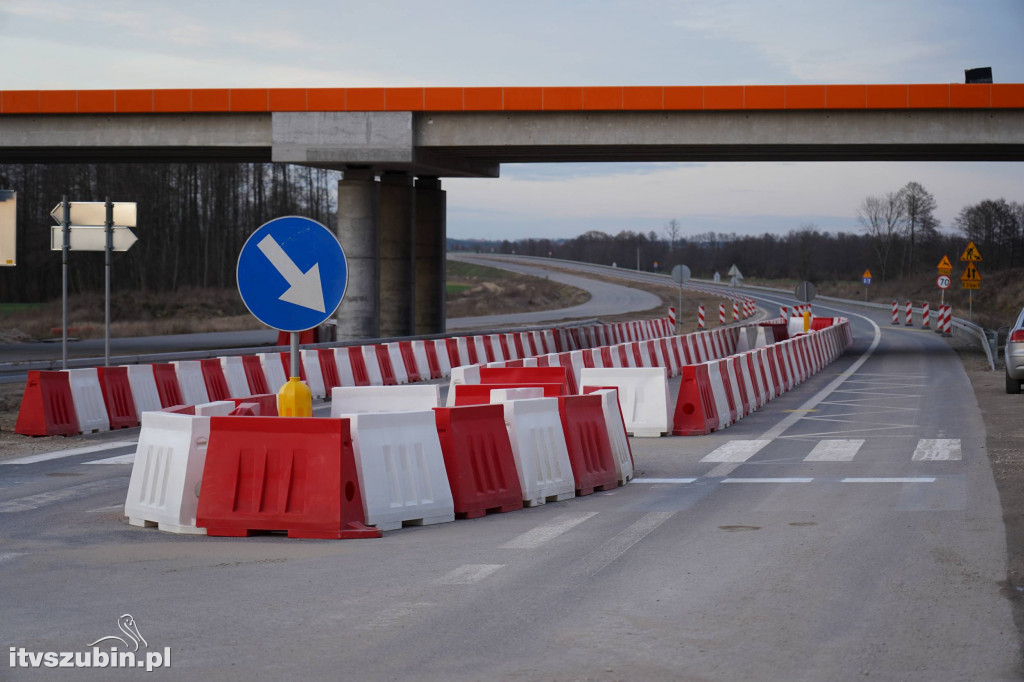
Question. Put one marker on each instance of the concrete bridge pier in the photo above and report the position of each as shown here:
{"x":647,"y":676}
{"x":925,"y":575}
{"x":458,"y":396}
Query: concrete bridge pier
{"x":393,"y":232}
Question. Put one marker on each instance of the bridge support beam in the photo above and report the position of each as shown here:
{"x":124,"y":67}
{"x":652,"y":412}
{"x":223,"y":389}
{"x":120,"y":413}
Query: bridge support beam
{"x":431,"y":234}
{"x":358,"y":315}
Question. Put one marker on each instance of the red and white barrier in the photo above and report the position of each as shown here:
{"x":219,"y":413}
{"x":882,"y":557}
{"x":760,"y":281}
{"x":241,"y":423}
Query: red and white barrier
{"x":541,"y":455}
{"x":909,"y":314}
{"x":925,"y":316}
{"x":700,"y":317}
{"x":895,"y":313}
{"x":642,"y":393}
{"x":721,"y":313}
{"x":346,"y":400}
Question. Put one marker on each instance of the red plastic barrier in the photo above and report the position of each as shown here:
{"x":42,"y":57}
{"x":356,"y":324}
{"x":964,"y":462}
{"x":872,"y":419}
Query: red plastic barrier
{"x":736,"y":371}
{"x":526,"y":376}
{"x":432,"y":362}
{"x":358,"y":363}
{"x":266,"y":401}
{"x":254,"y":374}
{"x":695,"y":413}
{"x":246,"y":410}
{"x":409,"y":361}
{"x":517,"y":341}
{"x":286,"y":362}
{"x":296,"y":475}
{"x":819,"y":323}
{"x":213,"y":377}
{"x":480,"y":394}
{"x":565,"y":360}
{"x":478,"y":458}
{"x":47,"y":408}
{"x":730,"y":395}
{"x":454,"y":360}
{"x":387,"y":372}
{"x":167,"y":385}
{"x":505,"y":352}
{"x":780,"y":330}
{"x":328,"y":368}
{"x":180,"y":409}
{"x":586,"y":437}
{"x":117,"y":396}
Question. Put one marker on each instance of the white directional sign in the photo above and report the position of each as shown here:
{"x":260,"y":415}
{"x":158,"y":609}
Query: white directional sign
{"x":95,"y":213}
{"x":8,"y":227}
{"x":292,"y":273}
{"x":92,"y":238}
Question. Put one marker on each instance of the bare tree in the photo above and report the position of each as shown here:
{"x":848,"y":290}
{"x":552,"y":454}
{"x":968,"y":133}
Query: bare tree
{"x":920,"y":223}
{"x":673,"y":230}
{"x":881,"y":218}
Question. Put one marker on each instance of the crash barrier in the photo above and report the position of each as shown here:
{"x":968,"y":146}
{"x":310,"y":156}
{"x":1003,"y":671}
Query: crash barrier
{"x":164,"y":487}
{"x":713,"y":395}
{"x":539,"y":448}
{"x":480,"y":394}
{"x":117,"y":397}
{"x":144,"y":390}
{"x":309,"y":361}
{"x":347,"y":400}
{"x":401,"y":469}
{"x":642,"y":393}
{"x":588,"y":444}
{"x":615,"y":425}
{"x":478,"y":459}
{"x":190,"y":378}
{"x":213,"y":378}
{"x":297,"y":475}
{"x":47,"y":408}
{"x":233,"y":368}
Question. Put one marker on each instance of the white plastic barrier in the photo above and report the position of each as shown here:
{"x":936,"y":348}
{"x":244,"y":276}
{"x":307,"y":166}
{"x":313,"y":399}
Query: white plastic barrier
{"x":164,"y":487}
{"x":88,"y":398}
{"x":617,"y":434}
{"x":643,"y":397}
{"x":645,"y":355}
{"x":234,"y":373}
{"x":494,"y":341}
{"x":529,"y":362}
{"x":443,"y":361}
{"x":503,"y":395}
{"x":466,"y":374}
{"x":538,"y":446}
{"x":510,"y":341}
{"x":273,"y":369}
{"x":190,"y":377}
{"x":310,"y":360}
{"x":718,"y":391}
{"x":419,"y":354}
{"x":344,"y":364}
{"x":796,"y":325}
{"x":372,"y":365}
{"x":397,"y":362}
{"x":346,"y":400}
{"x":144,"y":391}
{"x":402,"y":475}
{"x":218,"y":408}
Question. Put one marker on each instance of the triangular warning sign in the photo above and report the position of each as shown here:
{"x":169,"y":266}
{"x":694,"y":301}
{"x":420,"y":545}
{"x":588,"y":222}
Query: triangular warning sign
{"x":944,"y":263}
{"x":971,"y":274}
{"x":971,"y":253}
{"x":867,"y":274}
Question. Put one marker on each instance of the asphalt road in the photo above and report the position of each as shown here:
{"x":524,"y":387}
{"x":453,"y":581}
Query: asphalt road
{"x":850,"y":529}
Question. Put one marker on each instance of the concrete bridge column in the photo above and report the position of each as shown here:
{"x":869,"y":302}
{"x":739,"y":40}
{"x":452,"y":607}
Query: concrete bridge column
{"x":431,"y":232}
{"x":397,"y":255}
{"x":358,"y":315}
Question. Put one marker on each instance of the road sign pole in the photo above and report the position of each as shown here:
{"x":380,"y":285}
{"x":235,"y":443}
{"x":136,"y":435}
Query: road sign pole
{"x":109,"y":225}
{"x":679,"y":308}
{"x":294,"y":354}
{"x":66,"y":227}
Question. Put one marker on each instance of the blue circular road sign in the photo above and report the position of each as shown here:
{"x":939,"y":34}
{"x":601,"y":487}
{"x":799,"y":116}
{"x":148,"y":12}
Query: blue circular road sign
{"x":292,"y":273}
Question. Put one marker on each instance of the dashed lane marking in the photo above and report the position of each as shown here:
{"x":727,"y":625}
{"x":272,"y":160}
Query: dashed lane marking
{"x":33,"y":502}
{"x":622,"y":542}
{"x":468,"y":574}
{"x":60,"y":454}
{"x":735,"y":451}
{"x":549,"y":531}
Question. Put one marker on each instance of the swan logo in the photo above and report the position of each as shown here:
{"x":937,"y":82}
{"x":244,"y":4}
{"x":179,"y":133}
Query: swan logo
{"x":123,"y":653}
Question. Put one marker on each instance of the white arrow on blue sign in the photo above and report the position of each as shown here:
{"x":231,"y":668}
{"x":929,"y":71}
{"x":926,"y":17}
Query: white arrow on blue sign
{"x":292,"y":273}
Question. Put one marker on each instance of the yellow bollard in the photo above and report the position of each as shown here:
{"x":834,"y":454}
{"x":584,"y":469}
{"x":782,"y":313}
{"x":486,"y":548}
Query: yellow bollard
{"x":295,"y":399}
{"x":807,"y":321}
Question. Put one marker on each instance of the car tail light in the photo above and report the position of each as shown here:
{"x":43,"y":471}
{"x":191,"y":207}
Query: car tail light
{"x":1017,"y":336}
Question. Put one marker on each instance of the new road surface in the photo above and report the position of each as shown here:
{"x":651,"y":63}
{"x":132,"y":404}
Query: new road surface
{"x":848,"y":530}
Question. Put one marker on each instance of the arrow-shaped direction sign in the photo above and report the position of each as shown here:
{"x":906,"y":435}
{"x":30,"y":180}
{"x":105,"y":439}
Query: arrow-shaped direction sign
{"x":304,"y":288}
{"x":95,"y":213}
{"x":92,"y":238}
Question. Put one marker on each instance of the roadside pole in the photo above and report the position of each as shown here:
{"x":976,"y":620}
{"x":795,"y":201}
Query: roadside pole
{"x":65,"y":223}
{"x":108,"y":251}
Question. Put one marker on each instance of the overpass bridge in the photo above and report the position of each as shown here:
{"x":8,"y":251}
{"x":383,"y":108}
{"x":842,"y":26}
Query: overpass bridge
{"x":395,"y":144}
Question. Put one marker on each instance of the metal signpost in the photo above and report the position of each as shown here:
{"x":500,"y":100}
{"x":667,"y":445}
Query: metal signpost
{"x":805,"y":292}
{"x":867,"y":281}
{"x":292,"y":274}
{"x":736,"y":276}
{"x":971,"y":279}
{"x":945,"y":269}
{"x":90,"y":226}
{"x":680,"y":275}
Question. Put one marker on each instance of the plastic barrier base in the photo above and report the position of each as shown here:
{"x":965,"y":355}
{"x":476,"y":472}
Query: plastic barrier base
{"x":47,"y":408}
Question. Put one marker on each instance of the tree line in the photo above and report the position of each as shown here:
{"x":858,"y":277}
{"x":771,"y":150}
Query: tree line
{"x":193,"y":219}
{"x":897,"y":234}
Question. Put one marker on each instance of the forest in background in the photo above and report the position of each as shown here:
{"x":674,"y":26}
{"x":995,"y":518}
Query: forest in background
{"x":194,"y":218}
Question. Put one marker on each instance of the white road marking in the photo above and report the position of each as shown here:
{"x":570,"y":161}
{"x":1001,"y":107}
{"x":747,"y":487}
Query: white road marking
{"x":724,"y":469}
{"x":10,"y":556}
{"x":919,"y":479}
{"x":399,"y":614}
{"x":120,"y":459}
{"x":835,"y":450}
{"x":937,"y":449}
{"x":768,"y":480}
{"x":549,"y":531}
{"x":735,"y":451}
{"x":106,"y":510}
{"x":47,"y":456}
{"x":664,"y":480}
{"x":470,"y":573}
{"x":32,"y":502}
{"x":622,"y":542}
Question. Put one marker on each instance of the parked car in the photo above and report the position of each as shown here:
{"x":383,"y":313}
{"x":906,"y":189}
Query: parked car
{"x":1014,"y":355}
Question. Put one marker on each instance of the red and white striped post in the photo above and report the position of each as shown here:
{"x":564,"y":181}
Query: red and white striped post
{"x":910,"y":314}
{"x":784,"y":311}
{"x":721,"y":313}
{"x":672,"y":317}
{"x":700,"y":316}
{"x":947,"y":325}
{"x":735,"y":311}
{"x":940,"y":320}
{"x":895,"y":313}
{"x":925,"y":316}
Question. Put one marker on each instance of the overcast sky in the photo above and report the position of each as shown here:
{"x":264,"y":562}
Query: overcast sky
{"x":80,"y":44}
